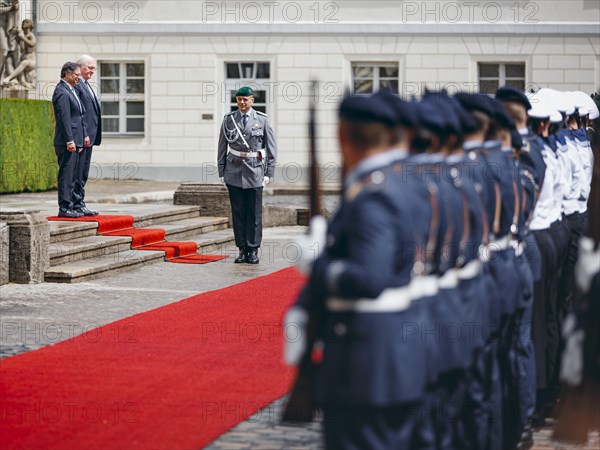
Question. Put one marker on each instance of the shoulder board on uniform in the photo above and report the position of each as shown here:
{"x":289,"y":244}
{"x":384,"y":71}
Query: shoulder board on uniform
{"x":260,"y":113}
{"x":371,"y":182}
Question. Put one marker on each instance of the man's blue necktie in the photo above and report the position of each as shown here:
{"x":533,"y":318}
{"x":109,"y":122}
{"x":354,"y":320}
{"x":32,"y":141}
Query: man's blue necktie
{"x":245,"y":120}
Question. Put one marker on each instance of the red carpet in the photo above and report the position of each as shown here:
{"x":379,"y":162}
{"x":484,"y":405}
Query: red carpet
{"x":146,"y":238}
{"x":172,"y":378}
{"x":105,"y":222}
{"x":140,"y":236}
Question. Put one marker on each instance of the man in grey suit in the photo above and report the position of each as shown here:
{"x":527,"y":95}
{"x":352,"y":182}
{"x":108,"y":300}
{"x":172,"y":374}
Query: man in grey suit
{"x":70,"y":136}
{"x":246,"y":161}
{"x":86,"y":94}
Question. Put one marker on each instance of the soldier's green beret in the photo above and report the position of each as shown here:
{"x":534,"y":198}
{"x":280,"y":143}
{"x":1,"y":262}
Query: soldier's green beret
{"x":244,"y":92}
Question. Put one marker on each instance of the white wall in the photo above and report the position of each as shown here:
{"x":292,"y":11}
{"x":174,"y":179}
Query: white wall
{"x":183,"y":69}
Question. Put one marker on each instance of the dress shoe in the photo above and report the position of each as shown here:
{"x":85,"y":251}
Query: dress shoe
{"x":241,"y":257}
{"x":69,"y":213}
{"x":252,"y":257}
{"x":526,"y":441}
{"x":87,"y":212}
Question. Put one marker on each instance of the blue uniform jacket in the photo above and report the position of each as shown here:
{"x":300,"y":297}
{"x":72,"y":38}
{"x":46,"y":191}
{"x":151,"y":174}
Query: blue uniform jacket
{"x":373,"y":358}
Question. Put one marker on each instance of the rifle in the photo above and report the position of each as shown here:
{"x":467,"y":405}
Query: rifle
{"x":300,"y":406}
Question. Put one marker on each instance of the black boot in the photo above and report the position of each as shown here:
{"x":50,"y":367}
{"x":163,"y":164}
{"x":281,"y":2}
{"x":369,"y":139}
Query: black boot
{"x":526,"y":441}
{"x":242,"y":258}
{"x":252,"y":257}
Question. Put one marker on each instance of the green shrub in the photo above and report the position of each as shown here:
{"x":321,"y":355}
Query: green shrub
{"x":27,"y":158}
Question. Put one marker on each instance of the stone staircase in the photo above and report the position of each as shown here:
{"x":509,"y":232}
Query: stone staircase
{"x":78,"y":253}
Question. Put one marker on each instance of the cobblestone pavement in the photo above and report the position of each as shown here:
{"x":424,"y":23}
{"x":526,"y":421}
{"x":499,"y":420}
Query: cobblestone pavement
{"x":263,"y":430}
{"x":32,"y":316}
{"x":35,"y":315}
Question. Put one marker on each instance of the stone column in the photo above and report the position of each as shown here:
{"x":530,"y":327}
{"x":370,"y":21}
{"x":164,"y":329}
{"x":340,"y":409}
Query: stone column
{"x":213,"y":199}
{"x":4,"y":239}
{"x":28,"y":246}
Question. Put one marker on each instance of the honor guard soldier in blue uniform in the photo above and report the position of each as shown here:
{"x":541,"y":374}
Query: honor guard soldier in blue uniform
{"x":453,"y":348}
{"x":504,"y":266}
{"x":559,"y":230}
{"x":370,"y":382}
{"x":531,"y":171}
{"x":246,"y":162}
{"x":483,"y":395}
{"x":544,"y":291}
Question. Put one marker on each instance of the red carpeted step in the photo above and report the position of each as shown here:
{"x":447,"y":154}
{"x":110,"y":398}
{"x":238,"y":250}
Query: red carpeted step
{"x":147,"y":238}
{"x":172,"y":378}
{"x":173,"y":249}
{"x":140,"y":236}
{"x":105,"y":222}
{"x":197,"y":259}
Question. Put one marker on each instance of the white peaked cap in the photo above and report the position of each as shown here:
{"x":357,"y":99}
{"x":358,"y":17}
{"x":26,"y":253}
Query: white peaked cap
{"x":541,"y":108}
{"x":590,"y":106}
{"x":585,"y":104}
{"x":578,"y":98}
{"x":556,"y":116}
{"x":594,"y":112}
{"x":560,"y":100}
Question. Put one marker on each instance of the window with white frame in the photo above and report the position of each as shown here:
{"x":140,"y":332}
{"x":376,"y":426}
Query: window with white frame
{"x":253,"y":74}
{"x":371,"y":77}
{"x":122,"y":94}
{"x":494,"y":75}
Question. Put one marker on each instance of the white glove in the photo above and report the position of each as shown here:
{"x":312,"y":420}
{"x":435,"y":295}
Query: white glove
{"x":266,"y":181}
{"x":571,"y":369}
{"x":222,"y":180}
{"x":588,"y":264}
{"x":294,"y":335}
{"x":312,"y":244}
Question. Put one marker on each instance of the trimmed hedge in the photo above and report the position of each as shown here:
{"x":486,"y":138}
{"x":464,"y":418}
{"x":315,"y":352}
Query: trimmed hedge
{"x":27,"y":158}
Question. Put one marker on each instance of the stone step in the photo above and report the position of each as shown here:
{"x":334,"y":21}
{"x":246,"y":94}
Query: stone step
{"x":95,"y":246}
{"x":213,"y":242}
{"x":182,"y":229}
{"x":166,"y":215}
{"x":123,"y":259}
{"x":89,"y":269}
{"x":88,"y":247}
{"x":68,"y":230}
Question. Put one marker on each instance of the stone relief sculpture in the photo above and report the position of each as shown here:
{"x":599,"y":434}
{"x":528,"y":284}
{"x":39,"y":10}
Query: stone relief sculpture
{"x":17,"y":45}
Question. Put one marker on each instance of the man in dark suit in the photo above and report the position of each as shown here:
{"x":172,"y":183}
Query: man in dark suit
{"x":93,"y":117}
{"x":246,"y":161}
{"x":70,"y":136}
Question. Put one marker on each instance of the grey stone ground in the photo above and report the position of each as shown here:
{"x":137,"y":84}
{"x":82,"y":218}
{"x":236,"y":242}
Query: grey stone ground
{"x":32,"y":316}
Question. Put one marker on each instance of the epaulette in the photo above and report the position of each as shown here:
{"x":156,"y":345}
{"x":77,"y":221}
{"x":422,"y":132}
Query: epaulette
{"x":373,"y":182}
{"x":260,"y":113}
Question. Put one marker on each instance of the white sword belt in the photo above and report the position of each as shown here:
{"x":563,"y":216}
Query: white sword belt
{"x":246,"y":154}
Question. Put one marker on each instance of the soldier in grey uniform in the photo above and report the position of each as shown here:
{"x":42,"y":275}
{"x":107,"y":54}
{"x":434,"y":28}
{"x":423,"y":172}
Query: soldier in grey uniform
{"x":246,"y":161}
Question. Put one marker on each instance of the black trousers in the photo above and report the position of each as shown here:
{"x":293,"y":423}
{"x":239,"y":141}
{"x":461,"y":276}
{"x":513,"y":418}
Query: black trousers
{"x":246,"y":211}
{"x":81,"y":177}
{"x":543,"y":298}
{"x":567,"y":292}
{"x":67,"y":168}
{"x":348,"y":427}
{"x":554,"y":314}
